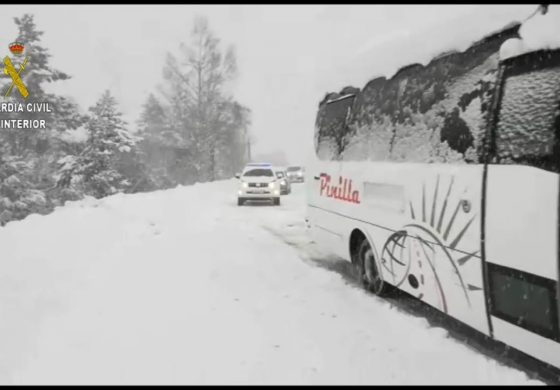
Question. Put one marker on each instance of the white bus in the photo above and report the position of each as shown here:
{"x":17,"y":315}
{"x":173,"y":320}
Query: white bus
{"x":443,"y":181}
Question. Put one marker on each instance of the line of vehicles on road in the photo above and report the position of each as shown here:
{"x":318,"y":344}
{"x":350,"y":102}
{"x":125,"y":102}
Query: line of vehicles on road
{"x":265,"y":181}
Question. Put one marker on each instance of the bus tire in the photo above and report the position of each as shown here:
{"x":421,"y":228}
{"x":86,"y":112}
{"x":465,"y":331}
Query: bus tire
{"x":368,"y":273}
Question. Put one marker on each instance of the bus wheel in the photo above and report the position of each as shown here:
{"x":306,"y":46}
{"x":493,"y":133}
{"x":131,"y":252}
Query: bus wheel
{"x":367,"y":270}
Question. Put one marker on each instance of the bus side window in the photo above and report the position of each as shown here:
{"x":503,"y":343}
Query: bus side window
{"x":528,"y":123}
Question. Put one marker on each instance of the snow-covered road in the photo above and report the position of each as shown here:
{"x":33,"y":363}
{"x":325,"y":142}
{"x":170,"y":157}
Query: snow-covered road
{"x":185,"y":287}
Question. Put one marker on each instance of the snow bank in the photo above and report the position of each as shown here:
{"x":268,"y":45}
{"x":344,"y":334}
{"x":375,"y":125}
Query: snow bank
{"x":184,"y":287}
{"x":539,"y":32}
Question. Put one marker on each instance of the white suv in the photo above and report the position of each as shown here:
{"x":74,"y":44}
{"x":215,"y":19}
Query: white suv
{"x":258,"y":182}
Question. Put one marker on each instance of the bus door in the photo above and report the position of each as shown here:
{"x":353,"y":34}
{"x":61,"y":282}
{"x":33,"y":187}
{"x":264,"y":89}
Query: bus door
{"x":520,"y":226}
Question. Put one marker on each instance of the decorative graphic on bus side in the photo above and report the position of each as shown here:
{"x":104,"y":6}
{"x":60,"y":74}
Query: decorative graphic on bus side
{"x":341,"y":191}
{"x":411,"y":254}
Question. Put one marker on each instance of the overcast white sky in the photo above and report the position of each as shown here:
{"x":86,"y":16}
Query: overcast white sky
{"x":289,"y":56}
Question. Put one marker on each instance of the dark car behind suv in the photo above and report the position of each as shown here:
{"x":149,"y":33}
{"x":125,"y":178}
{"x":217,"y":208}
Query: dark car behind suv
{"x":296,"y":174}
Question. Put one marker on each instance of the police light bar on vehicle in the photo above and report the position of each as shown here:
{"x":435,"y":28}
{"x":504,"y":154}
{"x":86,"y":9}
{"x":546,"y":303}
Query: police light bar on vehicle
{"x":265,"y":165}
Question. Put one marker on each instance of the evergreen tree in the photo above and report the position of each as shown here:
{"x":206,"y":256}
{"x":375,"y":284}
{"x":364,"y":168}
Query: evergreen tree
{"x":157,"y":142}
{"x":163,"y":149}
{"x":232,"y":143}
{"x":29,"y":156}
{"x":96,"y":168}
{"x":38,"y":72}
{"x":152,"y":125}
{"x":18,"y":197}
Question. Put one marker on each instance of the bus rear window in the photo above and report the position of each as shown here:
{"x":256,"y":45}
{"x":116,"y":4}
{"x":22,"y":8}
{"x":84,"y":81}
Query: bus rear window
{"x":331,"y":137}
{"x":528,"y":120}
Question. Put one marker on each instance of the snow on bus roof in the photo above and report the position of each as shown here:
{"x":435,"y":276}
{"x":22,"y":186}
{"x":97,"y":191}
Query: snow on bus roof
{"x":455,"y":35}
{"x":540,"y":32}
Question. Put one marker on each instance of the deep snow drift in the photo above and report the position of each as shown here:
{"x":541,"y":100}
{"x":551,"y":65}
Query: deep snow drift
{"x":185,"y":287}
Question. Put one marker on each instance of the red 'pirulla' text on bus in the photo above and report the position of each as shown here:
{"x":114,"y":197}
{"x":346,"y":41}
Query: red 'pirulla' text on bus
{"x":342,"y":191}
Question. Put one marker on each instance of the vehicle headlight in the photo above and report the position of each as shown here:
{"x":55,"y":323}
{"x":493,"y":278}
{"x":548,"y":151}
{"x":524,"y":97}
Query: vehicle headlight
{"x":283,"y":182}
{"x":271,"y":184}
{"x":244,"y":185}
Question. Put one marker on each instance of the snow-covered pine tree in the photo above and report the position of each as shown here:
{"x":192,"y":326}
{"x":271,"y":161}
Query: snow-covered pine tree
{"x":163,"y":145}
{"x":37,"y":74}
{"x":154,"y":136}
{"x":96,"y":168}
{"x":18,"y":197}
{"x":152,"y":125}
{"x":29,"y":156}
{"x":231,"y":144}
